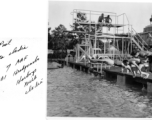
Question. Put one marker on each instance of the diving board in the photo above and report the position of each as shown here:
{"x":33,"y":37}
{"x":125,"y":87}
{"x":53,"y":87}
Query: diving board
{"x":75,"y":31}
{"x":103,"y":24}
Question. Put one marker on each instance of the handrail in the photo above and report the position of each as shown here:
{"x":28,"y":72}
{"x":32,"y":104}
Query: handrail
{"x":136,"y":42}
{"x":127,"y":18}
{"x":88,"y":13}
{"x":135,"y":36}
{"x":139,"y":42}
{"x":94,"y":11}
{"x":140,"y":37}
{"x":120,"y":15}
{"x":124,"y":17}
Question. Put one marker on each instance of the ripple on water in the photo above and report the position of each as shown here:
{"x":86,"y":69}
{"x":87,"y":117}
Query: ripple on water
{"x":74,"y":93}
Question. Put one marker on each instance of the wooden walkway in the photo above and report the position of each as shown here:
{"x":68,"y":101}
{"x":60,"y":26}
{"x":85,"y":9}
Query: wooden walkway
{"x":114,"y":73}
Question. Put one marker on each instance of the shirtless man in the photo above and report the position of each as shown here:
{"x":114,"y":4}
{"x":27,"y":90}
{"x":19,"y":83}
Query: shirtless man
{"x":143,"y":56}
{"x":108,"y":19}
{"x":101,"y":18}
{"x":137,"y":63}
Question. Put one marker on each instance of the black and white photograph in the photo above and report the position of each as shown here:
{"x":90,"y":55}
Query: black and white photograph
{"x":99,"y":59}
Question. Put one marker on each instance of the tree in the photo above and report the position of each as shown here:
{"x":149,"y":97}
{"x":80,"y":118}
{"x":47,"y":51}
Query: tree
{"x":49,"y":39}
{"x":58,"y":38}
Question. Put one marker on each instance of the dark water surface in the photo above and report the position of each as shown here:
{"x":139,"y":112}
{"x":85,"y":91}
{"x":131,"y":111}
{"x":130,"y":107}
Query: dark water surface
{"x":76,"y":94}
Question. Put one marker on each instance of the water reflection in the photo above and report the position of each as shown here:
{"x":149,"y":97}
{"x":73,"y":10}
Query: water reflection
{"x":74,"y":93}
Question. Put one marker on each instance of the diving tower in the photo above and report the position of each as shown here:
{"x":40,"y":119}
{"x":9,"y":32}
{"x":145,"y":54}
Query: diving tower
{"x":115,"y":38}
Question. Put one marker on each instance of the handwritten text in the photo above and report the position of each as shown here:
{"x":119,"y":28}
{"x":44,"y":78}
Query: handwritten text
{"x":25,"y":66}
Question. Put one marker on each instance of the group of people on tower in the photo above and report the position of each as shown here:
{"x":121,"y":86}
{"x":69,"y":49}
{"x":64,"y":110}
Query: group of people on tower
{"x":81,"y":17}
{"x":103,"y":19}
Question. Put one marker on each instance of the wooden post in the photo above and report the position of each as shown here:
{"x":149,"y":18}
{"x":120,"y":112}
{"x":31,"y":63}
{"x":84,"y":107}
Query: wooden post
{"x":73,"y":65}
{"x":80,"y":68}
{"x":122,"y":46}
{"x":149,"y":87}
{"x":107,"y":76}
{"x":76,"y":56}
{"x":121,"y":79}
{"x":101,"y":68}
{"x":78,"y":52}
{"x":97,"y":67}
{"x":88,"y":71}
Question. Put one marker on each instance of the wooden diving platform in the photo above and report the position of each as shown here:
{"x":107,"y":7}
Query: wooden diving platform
{"x":110,"y":36}
{"x":103,"y":24}
{"x":75,"y":31}
{"x":124,"y":78}
{"x":112,"y":74}
{"x":117,"y":70}
{"x":100,"y":35}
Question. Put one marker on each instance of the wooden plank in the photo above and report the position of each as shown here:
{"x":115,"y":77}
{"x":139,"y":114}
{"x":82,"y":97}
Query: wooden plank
{"x":138,"y":78}
{"x":121,"y":79}
{"x":149,"y":87}
{"x":110,"y":36}
{"x":74,"y":31}
{"x":103,"y":24}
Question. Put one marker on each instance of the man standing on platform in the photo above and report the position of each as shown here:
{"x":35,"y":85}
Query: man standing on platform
{"x":100,"y":20}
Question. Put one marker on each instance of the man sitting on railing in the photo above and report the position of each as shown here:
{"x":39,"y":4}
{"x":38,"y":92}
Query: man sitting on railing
{"x":108,"y":20}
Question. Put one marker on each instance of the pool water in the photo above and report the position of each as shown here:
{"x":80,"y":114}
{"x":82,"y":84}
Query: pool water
{"x":77,"y":94}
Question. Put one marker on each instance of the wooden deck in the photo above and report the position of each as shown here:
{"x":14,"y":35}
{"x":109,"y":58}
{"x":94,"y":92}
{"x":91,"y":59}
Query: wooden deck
{"x":114,"y":73}
{"x":103,"y":24}
{"x":138,"y":78}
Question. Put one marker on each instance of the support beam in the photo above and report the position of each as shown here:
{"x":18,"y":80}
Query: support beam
{"x":149,"y":87}
{"x":121,"y":79}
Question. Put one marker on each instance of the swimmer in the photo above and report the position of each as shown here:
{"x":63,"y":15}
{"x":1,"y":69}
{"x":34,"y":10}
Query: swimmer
{"x":127,"y":66}
{"x":123,"y":64}
{"x":143,"y":56}
{"x":143,"y":63}
{"x":137,"y":64}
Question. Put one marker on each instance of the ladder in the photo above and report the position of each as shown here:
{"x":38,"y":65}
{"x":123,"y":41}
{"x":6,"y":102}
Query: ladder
{"x":137,"y":42}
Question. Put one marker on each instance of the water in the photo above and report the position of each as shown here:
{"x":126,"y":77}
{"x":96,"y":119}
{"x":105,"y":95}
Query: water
{"x":76,"y":94}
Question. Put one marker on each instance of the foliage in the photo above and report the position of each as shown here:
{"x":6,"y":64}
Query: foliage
{"x":59,"y":39}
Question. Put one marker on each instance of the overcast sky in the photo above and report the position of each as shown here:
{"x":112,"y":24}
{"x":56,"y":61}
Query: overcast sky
{"x":137,"y":13}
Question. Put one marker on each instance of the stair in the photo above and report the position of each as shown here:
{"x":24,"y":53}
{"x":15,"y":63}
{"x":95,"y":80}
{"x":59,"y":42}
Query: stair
{"x":138,"y":42}
{"x":141,"y":42}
